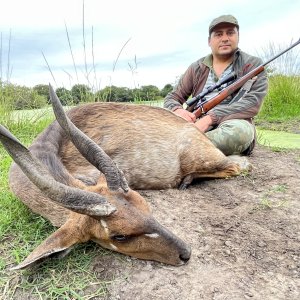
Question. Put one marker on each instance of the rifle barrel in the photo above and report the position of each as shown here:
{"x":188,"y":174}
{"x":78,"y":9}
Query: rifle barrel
{"x":282,"y":52}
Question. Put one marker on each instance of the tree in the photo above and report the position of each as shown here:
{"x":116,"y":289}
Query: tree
{"x":42,"y":90}
{"x":149,"y":92}
{"x":26,"y":98}
{"x":81,"y":93}
{"x":123,"y":94}
{"x":166,"y":89}
{"x":115,"y":94}
{"x":65,"y":96}
{"x":106,"y":95}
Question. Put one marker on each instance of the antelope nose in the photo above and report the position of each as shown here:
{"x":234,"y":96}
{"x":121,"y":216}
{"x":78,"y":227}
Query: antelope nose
{"x":185,"y":255}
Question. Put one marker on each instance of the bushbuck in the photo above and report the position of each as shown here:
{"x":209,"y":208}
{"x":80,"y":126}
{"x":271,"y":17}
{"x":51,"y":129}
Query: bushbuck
{"x":72,"y":176}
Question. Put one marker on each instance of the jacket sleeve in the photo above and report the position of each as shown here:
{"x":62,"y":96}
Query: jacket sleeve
{"x":245,"y":107}
{"x":181,"y":91}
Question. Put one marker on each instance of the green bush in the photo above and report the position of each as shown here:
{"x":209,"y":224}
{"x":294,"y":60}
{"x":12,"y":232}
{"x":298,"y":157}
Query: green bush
{"x":20,"y":97}
{"x":283,"y":98}
{"x":166,"y":89}
{"x":65,"y":96}
{"x":149,"y":92}
{"x":81,"y":93}
{"x":114,"y":94}
{"x":43,"y":90}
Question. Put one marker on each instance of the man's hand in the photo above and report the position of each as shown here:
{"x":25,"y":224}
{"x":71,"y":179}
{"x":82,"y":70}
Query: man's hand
{"x":190,"y":117}
{"x":204,"y":123}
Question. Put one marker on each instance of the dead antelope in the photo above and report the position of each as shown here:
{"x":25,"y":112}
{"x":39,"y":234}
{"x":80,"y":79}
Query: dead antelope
{"x":59,"y":177}
{"x":108,"y":212}
{"x":152,"y":146}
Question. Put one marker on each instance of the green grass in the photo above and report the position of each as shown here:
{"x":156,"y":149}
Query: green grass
{"x":270,"y":198}
{"x":278,"y":139}
{"x":21,"y":231}
{"x":279,"y":118}
{"x":282,"y":100}
{"x":273,"y":198}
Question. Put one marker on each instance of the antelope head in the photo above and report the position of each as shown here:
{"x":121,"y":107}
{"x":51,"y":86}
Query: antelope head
{"x":109,"y":213}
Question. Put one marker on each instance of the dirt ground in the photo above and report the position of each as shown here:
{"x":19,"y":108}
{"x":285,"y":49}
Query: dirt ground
{"x":244,"y":233}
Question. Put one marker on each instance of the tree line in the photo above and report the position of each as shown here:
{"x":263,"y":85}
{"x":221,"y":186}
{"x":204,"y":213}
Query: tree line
{"x":20,"y":97}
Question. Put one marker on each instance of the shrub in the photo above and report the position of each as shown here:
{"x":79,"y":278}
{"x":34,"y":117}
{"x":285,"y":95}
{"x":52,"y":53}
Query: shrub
{"x":283,"y":98}
{"x":20,"y":97}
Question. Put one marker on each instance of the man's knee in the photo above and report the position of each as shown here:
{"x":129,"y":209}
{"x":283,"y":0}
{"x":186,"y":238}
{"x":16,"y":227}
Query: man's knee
{"x":232,"y":136}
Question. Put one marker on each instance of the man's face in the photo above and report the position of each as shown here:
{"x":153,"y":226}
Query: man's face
{"x":224,"y":39}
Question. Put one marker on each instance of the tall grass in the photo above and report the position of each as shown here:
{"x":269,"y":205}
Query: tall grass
{"x":6,"y":106}
{"x":283,"y":98}
{"x":26,"y":124}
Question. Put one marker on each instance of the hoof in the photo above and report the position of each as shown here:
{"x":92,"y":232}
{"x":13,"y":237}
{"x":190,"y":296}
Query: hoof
{"x":242,"y":161}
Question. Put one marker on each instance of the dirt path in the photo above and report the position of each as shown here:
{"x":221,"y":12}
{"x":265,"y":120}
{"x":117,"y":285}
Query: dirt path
{"x":244,"y":232}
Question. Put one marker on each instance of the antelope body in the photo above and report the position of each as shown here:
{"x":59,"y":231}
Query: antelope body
{"x":71,"y":176}
{"x":154,"y":148}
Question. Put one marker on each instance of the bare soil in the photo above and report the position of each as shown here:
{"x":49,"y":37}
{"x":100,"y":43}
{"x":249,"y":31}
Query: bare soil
{"x":244,"y":233}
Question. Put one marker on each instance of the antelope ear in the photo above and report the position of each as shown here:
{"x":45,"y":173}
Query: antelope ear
{"x":58,"y":244}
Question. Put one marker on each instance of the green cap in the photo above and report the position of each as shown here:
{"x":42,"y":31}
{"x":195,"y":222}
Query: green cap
{"x":223,"y":19}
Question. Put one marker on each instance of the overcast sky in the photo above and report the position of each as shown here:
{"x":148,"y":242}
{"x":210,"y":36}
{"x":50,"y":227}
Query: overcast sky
{"x":156,"y":40}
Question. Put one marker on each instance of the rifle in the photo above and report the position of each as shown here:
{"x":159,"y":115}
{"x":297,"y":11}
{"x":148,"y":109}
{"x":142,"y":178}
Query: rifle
{"x":203,"y":107}
{"x":199,"y":98}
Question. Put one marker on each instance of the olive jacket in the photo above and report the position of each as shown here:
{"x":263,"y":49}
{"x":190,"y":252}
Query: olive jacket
{"x":234,"y":107}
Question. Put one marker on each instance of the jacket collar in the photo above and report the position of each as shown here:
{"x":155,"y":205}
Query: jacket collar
{"x":207,"y":60}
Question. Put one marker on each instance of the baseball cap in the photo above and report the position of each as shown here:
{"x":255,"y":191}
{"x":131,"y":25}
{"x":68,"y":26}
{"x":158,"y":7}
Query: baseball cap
{"x":223,"y":19}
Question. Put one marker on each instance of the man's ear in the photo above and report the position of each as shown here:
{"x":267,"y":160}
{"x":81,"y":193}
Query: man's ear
{"x":57,"y":244}
{"x":208,"y":40}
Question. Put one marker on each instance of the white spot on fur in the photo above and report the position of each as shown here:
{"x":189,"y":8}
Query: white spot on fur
{"x":113,"y":247}
{"x":152,"y":235}
{"x":104,"y":225}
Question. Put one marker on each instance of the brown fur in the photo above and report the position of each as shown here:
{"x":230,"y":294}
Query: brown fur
{"x":154,"y":148}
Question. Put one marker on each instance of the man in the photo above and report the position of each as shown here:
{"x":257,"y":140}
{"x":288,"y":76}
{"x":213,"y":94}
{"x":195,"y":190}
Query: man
{"x":228,"y":125}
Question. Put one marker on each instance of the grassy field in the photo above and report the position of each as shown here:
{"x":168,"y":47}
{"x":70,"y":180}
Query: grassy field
{"x":21,"y":231}
{"x":278,"y":139}
{"x":71,"y":278}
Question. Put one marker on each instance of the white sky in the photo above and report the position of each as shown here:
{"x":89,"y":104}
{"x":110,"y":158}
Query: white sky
{"x":165,"y":37}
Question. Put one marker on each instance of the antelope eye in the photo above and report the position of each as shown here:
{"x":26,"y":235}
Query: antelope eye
{"x":120,"y":237}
